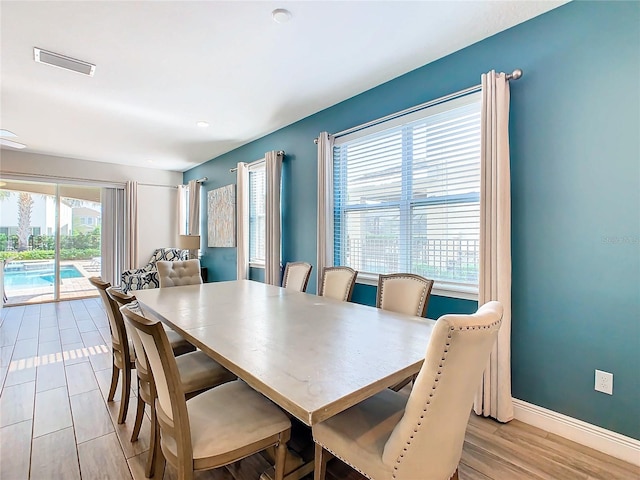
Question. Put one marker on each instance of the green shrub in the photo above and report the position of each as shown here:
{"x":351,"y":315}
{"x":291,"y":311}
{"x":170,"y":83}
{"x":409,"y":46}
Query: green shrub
{"x":65,"y":254}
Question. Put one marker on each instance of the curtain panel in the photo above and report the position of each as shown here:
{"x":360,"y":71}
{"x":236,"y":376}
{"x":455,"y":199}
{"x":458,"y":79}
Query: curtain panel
{"x":242,"y":213}
{"x":181,"y":209}
{"x":325,"y":204}
{"x":194,"y":207}
{"x":494,"y":395}
{"x":113,"y":234}
{"x":131,"y":223}
{"x":273,"y":168}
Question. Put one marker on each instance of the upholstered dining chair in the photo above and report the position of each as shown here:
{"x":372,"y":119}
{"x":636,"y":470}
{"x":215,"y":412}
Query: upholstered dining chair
{"x":197,"y":373}
{"x":296,"y":275}
{"x":147,"y":276}
{"x":392,"y":436}
{"x":184,"y":272}
{"x":123,"y":356}
{"x":218,"y":427}
{"x":404,"y":293}
{"x":338,"y":283}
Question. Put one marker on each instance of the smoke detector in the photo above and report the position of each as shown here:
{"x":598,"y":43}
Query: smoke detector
{"x":62,"y":61}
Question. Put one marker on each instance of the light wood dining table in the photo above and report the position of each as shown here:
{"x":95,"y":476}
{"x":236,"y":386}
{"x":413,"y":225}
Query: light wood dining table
{"x":312,"y":356}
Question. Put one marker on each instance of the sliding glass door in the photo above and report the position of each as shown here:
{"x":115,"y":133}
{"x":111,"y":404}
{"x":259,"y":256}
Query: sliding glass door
{"x":49,"y":240}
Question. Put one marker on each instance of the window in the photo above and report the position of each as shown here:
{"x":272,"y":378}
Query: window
{"x":407,"y":195}
{"x":257,"y":213}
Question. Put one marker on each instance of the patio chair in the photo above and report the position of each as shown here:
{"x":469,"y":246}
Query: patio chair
{"x":147,"y":276}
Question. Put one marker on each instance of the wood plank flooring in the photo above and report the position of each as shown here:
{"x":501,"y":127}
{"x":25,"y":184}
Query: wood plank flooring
{"x":55,"y":422}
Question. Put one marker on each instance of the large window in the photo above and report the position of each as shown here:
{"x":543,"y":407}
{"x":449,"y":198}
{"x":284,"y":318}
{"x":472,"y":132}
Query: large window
{"x":407,"y":192}
{"x":257,"y":213}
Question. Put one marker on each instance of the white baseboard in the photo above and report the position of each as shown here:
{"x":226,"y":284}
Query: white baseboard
{"x":606,"y":441}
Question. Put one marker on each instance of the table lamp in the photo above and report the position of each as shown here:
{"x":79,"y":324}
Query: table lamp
{"x":191,"y":243}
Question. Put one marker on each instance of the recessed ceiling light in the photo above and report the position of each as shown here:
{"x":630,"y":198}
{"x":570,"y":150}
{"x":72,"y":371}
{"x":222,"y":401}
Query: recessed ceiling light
{"x":62,"y":61}
{"x":281,"y":15}
{"x":10,"y":143}
{"x":202,"y":124}
{"x":7,"y":133}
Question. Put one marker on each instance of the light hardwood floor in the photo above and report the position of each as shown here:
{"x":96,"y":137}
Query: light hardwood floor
{"x":56,"y":424}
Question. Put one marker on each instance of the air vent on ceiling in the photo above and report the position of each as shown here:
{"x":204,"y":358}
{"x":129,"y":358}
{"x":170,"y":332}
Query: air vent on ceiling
{"x":61,"y":61}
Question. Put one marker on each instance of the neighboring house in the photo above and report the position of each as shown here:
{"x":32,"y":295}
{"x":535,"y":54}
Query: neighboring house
{"x":43,"y":215}
{"x":85,"y":220}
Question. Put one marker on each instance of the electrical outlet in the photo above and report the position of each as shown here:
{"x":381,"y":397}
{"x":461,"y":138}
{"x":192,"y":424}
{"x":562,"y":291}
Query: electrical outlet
{"x":604,"y":382}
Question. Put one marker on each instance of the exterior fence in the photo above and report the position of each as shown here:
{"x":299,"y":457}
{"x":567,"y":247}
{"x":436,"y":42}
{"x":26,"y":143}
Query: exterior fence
{"x":455,"y":260}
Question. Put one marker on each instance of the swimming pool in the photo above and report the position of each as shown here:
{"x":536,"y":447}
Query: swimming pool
{"x":38,"y":278}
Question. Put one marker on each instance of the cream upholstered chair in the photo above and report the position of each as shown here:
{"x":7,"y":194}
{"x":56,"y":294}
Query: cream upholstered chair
{"x":123,"y":354}
{"x":338,"y":283}
{"x":391,"y":436}
{"x":174,"y":274}
{"x":197,"y":371}
{"x":296,"y":275}
{"x":404,"y":293}
{"x":123,"y":357}
{"x":147,"y":276}
{"x":217,"y":427}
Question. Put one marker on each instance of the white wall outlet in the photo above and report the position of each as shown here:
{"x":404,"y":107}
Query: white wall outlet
{"x":604,"y":382}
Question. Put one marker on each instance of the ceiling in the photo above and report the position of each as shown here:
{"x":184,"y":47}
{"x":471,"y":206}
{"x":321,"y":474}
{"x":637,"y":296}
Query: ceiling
{"x":162,"y":66}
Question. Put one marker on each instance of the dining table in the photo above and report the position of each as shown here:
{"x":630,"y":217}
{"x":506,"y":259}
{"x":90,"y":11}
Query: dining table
{"x":312,"y":356}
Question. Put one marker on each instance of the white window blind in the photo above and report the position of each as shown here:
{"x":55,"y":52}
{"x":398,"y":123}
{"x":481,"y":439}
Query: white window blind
{"x":257,"y":204}
{"x":407,"y":193}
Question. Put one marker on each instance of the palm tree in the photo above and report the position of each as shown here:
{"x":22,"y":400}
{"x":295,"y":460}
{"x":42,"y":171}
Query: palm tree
{"x":25,"y":207}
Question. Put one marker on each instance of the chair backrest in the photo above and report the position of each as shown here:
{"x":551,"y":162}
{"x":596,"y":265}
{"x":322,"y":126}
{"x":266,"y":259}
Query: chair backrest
{"x":116,"y":323}
{"x":427,"y":441}
{"x":122,"y":299}
{"x":404,"y":293}
{"x":171,"y":407}
{"x":296,"y":275}
{"x":174,"y":274}
{"x":338,"y":283}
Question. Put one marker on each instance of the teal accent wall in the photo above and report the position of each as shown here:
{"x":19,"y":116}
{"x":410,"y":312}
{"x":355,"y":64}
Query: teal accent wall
{"x":575,"y":154}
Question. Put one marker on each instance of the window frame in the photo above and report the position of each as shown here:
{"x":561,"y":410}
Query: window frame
{"x":441,"y":287}
{"x":252,"y":167}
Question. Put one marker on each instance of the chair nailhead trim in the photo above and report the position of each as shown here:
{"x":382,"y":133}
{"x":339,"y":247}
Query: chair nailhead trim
{"x":431,"y":394}
{"x":345,"y":461}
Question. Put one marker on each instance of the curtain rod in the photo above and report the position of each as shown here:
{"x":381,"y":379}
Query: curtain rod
{"x":515,"y":75}
{"x":200,"y":180}
{"x":279,"y":152}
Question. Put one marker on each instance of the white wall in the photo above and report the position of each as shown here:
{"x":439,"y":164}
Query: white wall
{"x":157,"y":228}
{"x":156,"y":190}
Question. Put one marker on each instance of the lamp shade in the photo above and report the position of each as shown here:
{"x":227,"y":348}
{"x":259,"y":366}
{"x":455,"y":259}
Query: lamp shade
{"x":189,"y":242}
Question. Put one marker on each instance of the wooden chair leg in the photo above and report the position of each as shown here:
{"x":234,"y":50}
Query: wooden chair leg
{"x":115,"y":373}
{"x":126,"y":392}
{"x":154,"y":446}
{"x":281,"y":460}
{"x":320,"y":463}
{"x":139,"y":418}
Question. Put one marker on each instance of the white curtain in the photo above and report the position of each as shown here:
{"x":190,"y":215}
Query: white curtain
{"x":242,"y":211}
{"x":194,"y":207}
{"x":131,"y":222}
{"x":273,"y":168}
{"x":494,"y":395}
{"x":325,"y":203}
{"x":182,"y":221}
{"x":113,"y":234}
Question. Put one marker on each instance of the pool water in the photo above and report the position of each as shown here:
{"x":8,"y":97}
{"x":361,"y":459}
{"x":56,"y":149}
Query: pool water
{"x":38,"y":278}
